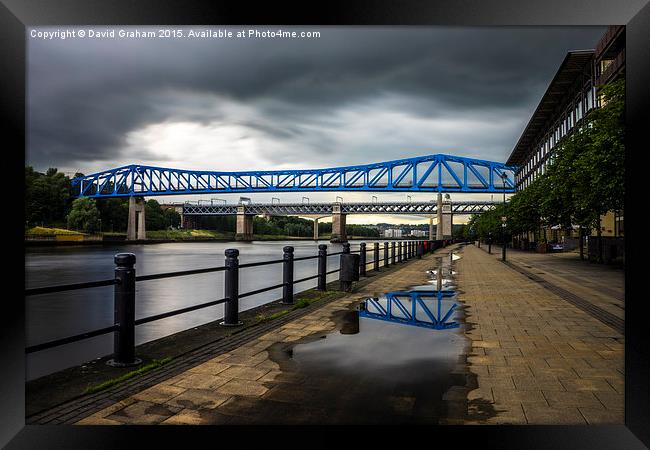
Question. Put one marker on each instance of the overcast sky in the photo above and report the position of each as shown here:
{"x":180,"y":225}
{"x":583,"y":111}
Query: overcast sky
{"x":354,"y":95}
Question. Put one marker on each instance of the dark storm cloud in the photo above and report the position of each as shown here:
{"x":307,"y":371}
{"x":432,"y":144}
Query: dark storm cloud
{"x":85,"y":96}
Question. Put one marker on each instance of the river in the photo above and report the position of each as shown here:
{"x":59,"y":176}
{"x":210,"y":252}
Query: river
{"x":53,"y":316}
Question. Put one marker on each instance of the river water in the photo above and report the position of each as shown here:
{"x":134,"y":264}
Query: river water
{"x":58,"y":315}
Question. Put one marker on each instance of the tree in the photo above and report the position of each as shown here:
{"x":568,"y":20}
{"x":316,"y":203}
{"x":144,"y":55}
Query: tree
{"x":47,"y":196}
{"x":155,"y":218}
{"x":84,"y":216}
{"x":114,"y":213}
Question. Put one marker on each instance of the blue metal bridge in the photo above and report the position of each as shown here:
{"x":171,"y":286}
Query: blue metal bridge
{"x":433,"y":173}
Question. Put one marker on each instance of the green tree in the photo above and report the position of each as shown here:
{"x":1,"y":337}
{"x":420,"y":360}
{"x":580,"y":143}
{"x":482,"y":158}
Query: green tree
{"x":154,"y":216}
{"x":84,"y":216}
{"x":47,"y":197}
{"x":114,"y":213}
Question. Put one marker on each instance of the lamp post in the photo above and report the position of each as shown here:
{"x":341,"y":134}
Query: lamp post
{"x":503,"y":219}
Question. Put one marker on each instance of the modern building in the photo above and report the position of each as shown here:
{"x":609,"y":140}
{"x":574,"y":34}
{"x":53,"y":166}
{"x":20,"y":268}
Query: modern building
{"x":569,"y":98}
{"x":393,"y":233}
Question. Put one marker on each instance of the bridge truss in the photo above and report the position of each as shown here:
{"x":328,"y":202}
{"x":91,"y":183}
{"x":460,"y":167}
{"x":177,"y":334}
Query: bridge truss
{"x":433,"y":173}
{"x":325,"y":209}
{"x":411,"y":308}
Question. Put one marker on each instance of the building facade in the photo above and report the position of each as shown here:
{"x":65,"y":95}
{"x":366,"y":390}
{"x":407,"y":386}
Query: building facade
{"x":570,"y":97}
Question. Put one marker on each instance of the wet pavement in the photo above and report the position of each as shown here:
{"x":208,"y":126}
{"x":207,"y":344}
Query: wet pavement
{"x":332,"y":366}
{"x":535,"y":357}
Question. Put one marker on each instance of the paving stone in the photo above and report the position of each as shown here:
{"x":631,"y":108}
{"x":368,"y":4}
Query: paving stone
{"x":243,"y":387}
{"x":536,"y":415}
{"x":596,"y":416}
{"x":244,"y":372}
{"x":143,"y":413}
{"x":159,"y":393}
{"x":198,"y":399}
{"x":192,"y":380}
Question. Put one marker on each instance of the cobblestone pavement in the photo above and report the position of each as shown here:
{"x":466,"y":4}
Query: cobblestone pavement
{"x":234,"y":387}
{"x":537,"y":358}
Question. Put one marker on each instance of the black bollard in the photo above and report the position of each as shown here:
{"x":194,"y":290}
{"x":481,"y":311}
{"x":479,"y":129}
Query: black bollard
{"x":287,"y":276}
{"x":362,"y":259}
{"x":346,"y":247}
{"x":322,"y":267}
{"x":231,"y":289}
{"x":124,"y":310}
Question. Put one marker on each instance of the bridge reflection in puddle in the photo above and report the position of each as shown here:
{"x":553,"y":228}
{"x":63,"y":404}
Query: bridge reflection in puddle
{"x":419,"y":308}
{"x":390,"y":371}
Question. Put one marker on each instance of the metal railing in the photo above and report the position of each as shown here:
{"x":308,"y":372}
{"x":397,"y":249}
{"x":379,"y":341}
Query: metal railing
{"x":125,"y":292}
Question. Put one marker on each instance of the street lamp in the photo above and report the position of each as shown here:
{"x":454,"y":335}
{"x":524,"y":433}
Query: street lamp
{"x":374,"y":199}
{"x":409,"y":198}
{"x":337,"y":199}
{"x":275,"y":198}
{"x":303,"y":200}
{"x":504,"y":177}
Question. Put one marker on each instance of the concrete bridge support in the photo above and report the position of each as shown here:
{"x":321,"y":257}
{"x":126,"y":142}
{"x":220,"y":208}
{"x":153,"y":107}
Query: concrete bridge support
{"x":447,"y":220}
{"x":316,"y":229}
{"x":338,"y":225}
{"x":444,"y":220}
{"x":431,"y":238}
{"x":244,"y":225}
{"x":136,"y":228}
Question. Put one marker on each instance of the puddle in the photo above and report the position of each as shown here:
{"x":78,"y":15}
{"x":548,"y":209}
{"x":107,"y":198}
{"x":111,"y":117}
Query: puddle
{"x":391,"y":360}
{"x":395,"y":359}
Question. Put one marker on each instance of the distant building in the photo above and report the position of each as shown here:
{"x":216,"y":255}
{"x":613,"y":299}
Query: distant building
{"x":393,"y":233}
{"x":419,"y":233}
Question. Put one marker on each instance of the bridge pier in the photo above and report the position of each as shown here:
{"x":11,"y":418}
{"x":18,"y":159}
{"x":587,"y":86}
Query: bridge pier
{"x":244,"y":225}
{"x":338,"y":225}
{"x":136,"y":228}
{"x":445,"y":222}
{"x":316,"y":229}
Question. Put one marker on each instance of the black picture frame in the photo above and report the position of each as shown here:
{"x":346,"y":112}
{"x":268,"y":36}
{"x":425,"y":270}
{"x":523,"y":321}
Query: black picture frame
{"x":17,"y":15}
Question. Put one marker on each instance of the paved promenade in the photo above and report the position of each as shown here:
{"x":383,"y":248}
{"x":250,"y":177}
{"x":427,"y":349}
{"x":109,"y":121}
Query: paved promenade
{"x":539,"y":359}
{"x":534,"y":358}
{"x":246,"y":386}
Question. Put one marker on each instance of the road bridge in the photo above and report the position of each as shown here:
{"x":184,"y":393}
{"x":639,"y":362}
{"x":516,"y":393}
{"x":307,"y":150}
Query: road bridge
{"x":338,"y":211}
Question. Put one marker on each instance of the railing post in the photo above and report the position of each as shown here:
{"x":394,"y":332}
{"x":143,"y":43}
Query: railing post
{"x":386,"y":263}
{"x":231,"y":289}
{"x":346,"y":247}
{"x":124,"y":304}
{"x":322,"y":267}
{"x":399,"y":251}
{"x":420,"y":249}
{"x":392,"y":244}
{"x":362,"y":259}
{"x":375,"y":255}
{"x":287,"y":276}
